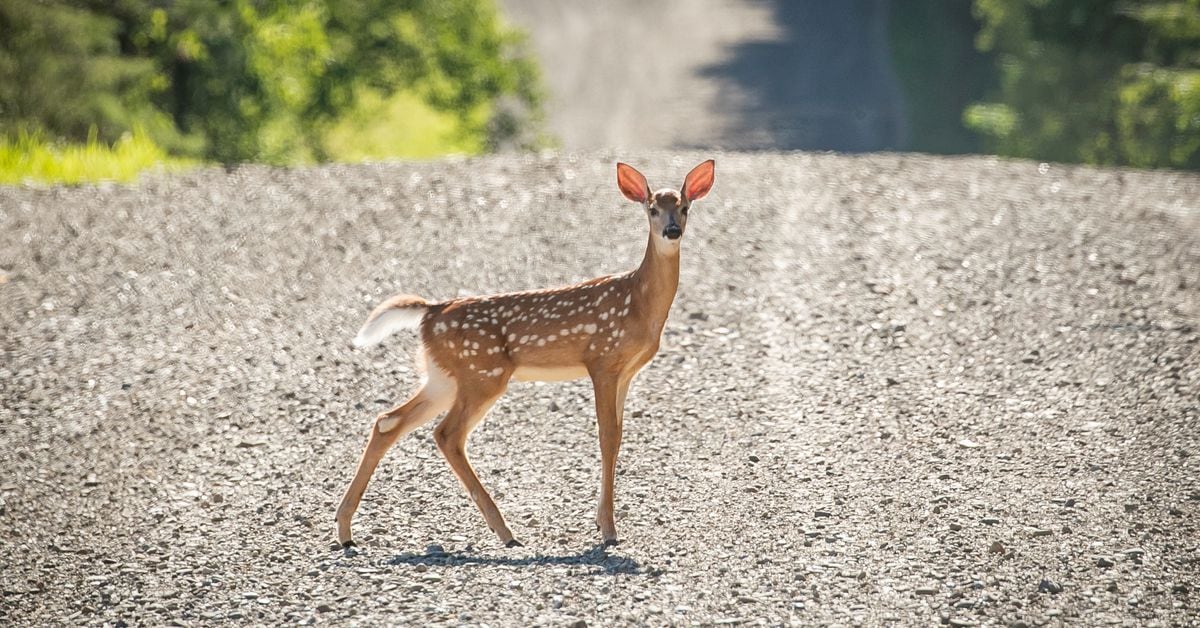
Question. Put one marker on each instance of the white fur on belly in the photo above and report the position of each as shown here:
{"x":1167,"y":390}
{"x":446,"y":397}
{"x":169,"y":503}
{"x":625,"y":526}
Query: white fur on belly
{"x":549,"y":373}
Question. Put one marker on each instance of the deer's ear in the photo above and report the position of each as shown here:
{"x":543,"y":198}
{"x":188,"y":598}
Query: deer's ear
{"x":699,"y":181}
{"x":633,"y":185}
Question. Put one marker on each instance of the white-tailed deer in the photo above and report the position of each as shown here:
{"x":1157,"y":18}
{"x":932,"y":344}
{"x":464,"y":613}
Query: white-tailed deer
{"x":606,"y":329}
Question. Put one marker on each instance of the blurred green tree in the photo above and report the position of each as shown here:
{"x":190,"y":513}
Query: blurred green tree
{"x":256,"y":80}
{"x":62,"y":70}
{"x":1096,"y":81}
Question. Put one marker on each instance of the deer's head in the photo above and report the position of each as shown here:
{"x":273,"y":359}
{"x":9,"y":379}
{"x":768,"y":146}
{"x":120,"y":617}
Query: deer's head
{"x":666,"y":209}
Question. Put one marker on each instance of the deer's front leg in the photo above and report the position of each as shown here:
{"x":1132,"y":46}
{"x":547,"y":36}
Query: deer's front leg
{"x":609,"y":391}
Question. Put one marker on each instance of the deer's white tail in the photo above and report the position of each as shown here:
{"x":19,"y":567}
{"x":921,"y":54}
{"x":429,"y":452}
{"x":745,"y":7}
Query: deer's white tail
{"x":402,"y":311}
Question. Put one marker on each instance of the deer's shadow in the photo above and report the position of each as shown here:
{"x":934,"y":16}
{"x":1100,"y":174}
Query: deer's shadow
{"x":597,"y":556}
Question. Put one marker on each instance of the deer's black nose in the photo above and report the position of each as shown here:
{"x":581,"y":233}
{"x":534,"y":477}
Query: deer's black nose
{"x":672,"y":232}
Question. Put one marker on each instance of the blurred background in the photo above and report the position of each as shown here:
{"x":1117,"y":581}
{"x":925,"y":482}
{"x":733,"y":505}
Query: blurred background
{"x":93,"y":89}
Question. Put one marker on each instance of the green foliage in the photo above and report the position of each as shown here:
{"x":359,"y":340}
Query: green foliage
{"x":262,"y":80}
{"x":400,"y":126}
{"x":62,"y":70}
{"x":1097,"y":81}
{"x":30,"y":158}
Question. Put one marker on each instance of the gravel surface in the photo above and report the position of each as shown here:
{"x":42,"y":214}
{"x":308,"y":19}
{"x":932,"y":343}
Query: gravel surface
{"x":894,"y":388}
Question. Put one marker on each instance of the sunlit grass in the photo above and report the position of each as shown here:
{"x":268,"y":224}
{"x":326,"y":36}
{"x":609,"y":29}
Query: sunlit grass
{"x":402,"y":126}
{"x":32,"y":158}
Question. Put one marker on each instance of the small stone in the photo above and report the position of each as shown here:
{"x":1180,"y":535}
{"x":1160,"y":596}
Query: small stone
{"x":996,"y":548}
{"x":956,"y":526}
{"x":925,"y":591}
{"x":1041,"y":532}
{"x":554,"y":407}
{"x":989,"y":521}
{"x":1131,"y":507}
{"x":1049,"y":586}
{"x":421,"y":568}
{"x":1104,"y":562}
{"x":821,"y":514}
{"x":967,"y":443}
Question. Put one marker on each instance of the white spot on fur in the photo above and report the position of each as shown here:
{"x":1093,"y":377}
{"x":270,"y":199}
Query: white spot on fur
{"x":590,"y":328}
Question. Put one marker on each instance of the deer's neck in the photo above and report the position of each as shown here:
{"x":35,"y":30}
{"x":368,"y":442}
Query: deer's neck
{"x":656,"y":280}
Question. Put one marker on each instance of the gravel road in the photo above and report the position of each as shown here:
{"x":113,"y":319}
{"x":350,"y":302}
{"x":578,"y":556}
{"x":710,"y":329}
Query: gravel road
{"x":894,"y":388}
{"x":736,"y":74}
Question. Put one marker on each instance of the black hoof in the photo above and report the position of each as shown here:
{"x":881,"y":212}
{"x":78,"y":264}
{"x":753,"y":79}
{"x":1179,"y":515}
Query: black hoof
{"x":611,"y":542}
{"x":514,"y":543}
{"x":349,"y":543}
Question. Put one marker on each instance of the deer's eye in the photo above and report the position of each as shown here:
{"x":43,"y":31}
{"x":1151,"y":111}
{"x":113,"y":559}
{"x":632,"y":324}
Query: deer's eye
{"x":653,"y":211}
{"x":683,"y":211}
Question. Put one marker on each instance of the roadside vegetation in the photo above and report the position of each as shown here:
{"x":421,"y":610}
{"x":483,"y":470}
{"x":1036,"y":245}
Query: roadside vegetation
{"x":96,"y":90}
{"x":1109,"y":82}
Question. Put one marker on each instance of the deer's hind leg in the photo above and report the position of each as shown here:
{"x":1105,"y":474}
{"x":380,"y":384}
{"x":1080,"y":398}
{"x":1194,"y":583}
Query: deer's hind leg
{"x":434,"y":396}
{"x":451,"y":434}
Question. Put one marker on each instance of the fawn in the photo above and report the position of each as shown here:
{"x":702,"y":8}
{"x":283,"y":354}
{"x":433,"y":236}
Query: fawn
{"x":606,"y":329}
